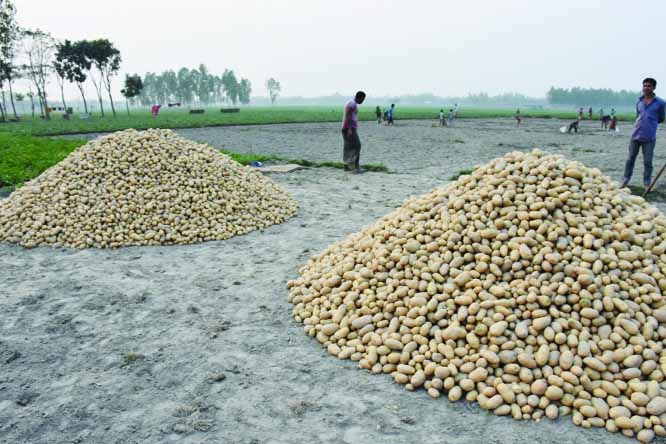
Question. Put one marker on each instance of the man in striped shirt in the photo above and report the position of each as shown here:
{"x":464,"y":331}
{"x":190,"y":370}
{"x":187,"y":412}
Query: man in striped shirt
{"x":352,"y":144}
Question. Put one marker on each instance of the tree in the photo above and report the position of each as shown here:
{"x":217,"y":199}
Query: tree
{"x":274,"y":88}
{"x":31,"y":96}
{"x":39,"y":47}
{"x":230,"y":85}
{"x":185,"y":86}
{"x":9,"y":36}
{"x":106,"y":58}
{"x":244,"y":91}
{"x":19,"y":97}
{"x":133,"y":87}
{"x":71,"y":64}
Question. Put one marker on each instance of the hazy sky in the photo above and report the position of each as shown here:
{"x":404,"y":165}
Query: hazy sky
{"x":316,"y":47}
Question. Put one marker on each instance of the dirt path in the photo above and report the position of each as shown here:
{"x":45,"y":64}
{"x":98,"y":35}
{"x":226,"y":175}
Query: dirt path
{"x":195,"y":344}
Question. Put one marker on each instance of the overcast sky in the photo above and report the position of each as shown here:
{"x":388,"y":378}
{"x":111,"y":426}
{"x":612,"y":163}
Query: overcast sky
{"x":319,"y":47}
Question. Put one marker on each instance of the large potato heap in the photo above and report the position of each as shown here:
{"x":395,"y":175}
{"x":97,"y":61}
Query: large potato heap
{"x":141,"y":188}
{"x":532,"y":286}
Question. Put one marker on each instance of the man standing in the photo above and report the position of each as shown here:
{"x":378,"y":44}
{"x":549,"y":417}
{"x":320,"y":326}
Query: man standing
{"x":390,"y":114}
{"x":352,"y":144}
{"x":649,"y":113}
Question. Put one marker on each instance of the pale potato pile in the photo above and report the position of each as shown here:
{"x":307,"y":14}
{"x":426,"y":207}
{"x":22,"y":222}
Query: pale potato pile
{"x":532,"y":286}
{"x":142,"y":188}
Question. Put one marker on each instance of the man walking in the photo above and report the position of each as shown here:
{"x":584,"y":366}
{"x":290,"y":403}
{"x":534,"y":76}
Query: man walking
{"x":649,"y":113}
{"x":352,"y":144}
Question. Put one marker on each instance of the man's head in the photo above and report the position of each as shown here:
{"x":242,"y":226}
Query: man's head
{"x":392,"y":105}
{"x":649,"y":85}
{"x":359,"y":97}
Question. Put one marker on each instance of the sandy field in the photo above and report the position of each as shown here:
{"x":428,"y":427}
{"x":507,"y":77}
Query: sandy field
{"x":195,"y":344}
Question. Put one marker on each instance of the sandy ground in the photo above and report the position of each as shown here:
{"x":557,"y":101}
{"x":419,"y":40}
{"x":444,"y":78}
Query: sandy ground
{"x":195,"y":344}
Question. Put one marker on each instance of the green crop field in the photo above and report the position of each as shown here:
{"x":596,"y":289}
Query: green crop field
{"x":141,"y":119}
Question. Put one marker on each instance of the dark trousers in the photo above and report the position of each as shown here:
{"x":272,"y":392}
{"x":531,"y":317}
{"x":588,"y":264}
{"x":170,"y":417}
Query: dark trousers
{"x":351,"y":153}
{"x":648,"y":153}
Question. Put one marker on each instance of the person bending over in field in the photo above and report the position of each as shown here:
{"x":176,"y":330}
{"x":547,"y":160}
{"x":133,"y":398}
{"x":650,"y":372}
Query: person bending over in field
{"x":378,"y":114}
{"x":573,"y":126}
{"x":351,"y":153}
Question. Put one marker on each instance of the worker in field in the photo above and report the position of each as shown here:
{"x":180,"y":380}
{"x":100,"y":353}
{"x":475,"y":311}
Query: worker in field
{"x":390,"y":114}
{"x":518,"y":118}
{"x":378,"y":114}
{"x":650,"y":112}
{"x":351,"y":153}
{"x":573,"y":126}
{"x":442,"y":120}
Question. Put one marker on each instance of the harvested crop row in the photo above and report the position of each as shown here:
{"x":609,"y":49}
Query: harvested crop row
{"x":532,"y":286}
{"x":142,"y":188}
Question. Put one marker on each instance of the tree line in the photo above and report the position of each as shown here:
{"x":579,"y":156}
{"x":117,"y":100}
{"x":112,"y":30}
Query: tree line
{"x":591,"y":96}
{"x":38,"y":57}
{"x":193,"y":86}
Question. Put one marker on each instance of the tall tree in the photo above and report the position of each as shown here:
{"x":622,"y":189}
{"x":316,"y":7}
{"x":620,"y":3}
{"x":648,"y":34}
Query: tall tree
{"x":231,"y":86}
{"x":244,"y":91}
{"x":31,"y":96}
{"x":39,"y":47}
{"x":133,"y":87}
{"x":185,"y":86}
{"x":9,"y":36}
{"x":106,"y":58}
{"x":71,"y":64}
{"x":274,"y":88}
{"x":170,"y":84}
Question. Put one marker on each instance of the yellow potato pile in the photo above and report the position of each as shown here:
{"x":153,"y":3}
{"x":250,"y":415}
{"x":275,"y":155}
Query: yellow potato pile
{"x":532,"y":286}
{"x":142,"y":188}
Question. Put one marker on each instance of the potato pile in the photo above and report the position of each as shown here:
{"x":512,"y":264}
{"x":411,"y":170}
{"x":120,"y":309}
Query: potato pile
{"x":141,"y":188}
{"x":532,"y":286}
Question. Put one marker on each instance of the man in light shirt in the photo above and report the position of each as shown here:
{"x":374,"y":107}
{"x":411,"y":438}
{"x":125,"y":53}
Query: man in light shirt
{"x":351,"y":153}
{"x":650,"y":111}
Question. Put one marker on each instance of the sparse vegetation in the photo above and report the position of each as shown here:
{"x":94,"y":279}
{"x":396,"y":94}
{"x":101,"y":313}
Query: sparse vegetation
{"x":464,"y":172}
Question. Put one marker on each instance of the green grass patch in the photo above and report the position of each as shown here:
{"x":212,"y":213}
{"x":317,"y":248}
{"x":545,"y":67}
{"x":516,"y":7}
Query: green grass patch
{"x":461,"y":173}
{"x":23,"y":157}
{"x":180,"y":118}
{"x":456,"y":141}
{"x":583,"y":150}
{"x":656,"y":195}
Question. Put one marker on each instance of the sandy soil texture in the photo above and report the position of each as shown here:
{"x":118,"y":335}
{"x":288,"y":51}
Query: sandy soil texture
{"x":195,"y":344}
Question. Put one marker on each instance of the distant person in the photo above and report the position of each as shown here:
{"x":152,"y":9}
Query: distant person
{"x":580,"y":113}
{"x":613,"y":124}
{"x":650,"y":111}
{"x":612,"y":112}
{"x":455,"y":110}
{"x":442,"y":120}
{"x":601,"y":113}
{"x":589,"y":113}
{"x":390,"y":114}
{"x":518,"y":119}
{"x":378,"y":114}
{"x":351,"y":153}
{"x":605,"y":120}
{"x":386,"y":113}
{"x":452,"y":116}
{"x":154,"y":110}
{"x":573,"y":126}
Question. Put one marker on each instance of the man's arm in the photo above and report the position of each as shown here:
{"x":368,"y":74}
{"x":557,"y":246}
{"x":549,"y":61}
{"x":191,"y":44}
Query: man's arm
{"x":348,"y":119}
{"x":662,"y":113}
